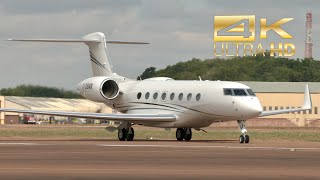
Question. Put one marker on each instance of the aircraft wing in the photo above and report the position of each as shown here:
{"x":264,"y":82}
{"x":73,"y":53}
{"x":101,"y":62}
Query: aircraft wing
{"x":307,"y":105}
{"x":134,"y":118}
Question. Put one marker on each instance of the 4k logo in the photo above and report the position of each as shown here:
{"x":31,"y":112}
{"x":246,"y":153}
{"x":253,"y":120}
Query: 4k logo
{"x":242,"y":28}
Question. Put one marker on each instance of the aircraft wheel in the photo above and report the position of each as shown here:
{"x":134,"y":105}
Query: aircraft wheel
{"x":180,"y":134}
{"x":130,"y":134}
{"x":241,"y":139}
{"x":188,"y":134}
{"x":246,"y":139}
{"x":122,"y":133}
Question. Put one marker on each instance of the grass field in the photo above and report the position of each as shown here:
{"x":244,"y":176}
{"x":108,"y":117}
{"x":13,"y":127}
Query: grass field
{"x":67,"y":131}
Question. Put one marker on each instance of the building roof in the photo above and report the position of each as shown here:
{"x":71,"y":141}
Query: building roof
{"x":282,"y":87}
{"x":58,"y":104}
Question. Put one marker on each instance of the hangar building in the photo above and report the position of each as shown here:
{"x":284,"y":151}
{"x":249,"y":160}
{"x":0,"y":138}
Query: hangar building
{"x":52,"y":104}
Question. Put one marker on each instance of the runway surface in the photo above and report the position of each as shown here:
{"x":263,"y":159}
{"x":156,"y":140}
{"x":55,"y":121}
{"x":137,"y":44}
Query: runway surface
{"x":166,"y":159}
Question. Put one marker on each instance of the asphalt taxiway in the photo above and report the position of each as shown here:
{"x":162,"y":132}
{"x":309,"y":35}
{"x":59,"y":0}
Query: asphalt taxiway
{"x":165,"y":159}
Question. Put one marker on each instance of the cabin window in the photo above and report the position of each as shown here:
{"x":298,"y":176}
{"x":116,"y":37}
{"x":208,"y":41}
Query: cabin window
{"x":227,"y":92}
{"x":147,"y":95}
{"x":250,"y":92}
{"x":239,"y":92}
{"x":180,"y":96}
{"x":163,"y":96}
{"x":139,"y":95}
{"x":189,"y":96}
{"x":315,"y":110}
{"x":155,"y":96}
{"x":172,"y":96}
{"x":198,"y":96}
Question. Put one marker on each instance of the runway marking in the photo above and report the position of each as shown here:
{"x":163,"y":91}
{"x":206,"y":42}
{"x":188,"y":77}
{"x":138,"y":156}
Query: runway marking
{"x":19,"y":144}
{"x":228,"y":147}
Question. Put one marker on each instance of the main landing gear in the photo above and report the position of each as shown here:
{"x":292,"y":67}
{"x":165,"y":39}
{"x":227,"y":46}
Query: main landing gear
{"x":184,"y":134}
{"x":242,"y":126}
{"x":126,"y":134}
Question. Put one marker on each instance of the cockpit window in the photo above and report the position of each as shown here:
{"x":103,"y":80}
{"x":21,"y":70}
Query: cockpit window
{"x":227,"y":92}
{"x":239,"y":92}
{"x":250,"y":92}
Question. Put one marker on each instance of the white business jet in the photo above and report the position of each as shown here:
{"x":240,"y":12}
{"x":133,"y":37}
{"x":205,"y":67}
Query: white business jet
{"x":161,"y":101}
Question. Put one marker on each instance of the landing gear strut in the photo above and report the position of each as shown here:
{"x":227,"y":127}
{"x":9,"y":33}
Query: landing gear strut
{"x":126,"y":134}
{"x":242,"y":126}
{"x":184,"y":134}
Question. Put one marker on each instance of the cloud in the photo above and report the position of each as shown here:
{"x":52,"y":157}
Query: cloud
{"x":177,"y":30}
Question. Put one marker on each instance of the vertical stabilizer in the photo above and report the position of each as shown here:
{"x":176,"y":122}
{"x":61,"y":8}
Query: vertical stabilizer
{"x":98,"y":55}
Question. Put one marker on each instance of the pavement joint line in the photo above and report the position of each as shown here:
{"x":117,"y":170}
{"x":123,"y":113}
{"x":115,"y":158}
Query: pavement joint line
{"x":229,"y":147}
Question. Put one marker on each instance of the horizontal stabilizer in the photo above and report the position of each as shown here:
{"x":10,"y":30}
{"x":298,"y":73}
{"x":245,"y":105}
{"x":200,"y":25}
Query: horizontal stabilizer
{"x":97,"y":44}
{"x":56,"y":40}
{"x":76,"y":41}
{"x":124,"y":42}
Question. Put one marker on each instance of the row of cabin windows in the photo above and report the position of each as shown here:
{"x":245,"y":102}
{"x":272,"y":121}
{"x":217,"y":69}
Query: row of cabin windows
{"x":270,"y":108}
{"x":164,"y":96}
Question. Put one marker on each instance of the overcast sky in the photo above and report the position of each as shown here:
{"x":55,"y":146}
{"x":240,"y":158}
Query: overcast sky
{"x":177,"y":30}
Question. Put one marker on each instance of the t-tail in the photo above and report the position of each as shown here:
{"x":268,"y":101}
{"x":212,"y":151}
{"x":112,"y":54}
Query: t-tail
{"x":97,"y":48}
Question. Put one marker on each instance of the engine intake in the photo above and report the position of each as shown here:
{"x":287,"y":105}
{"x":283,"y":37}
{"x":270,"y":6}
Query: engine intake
{"x":109,"y":89}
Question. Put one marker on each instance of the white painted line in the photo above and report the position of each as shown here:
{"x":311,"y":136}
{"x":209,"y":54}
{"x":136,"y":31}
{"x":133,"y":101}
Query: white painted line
{"x":227,"y":147}
{"x":18,"y":144}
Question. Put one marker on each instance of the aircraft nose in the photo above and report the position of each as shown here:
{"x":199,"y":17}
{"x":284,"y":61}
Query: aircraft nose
{"x":250,"y":108}
{"x":254,"y":110}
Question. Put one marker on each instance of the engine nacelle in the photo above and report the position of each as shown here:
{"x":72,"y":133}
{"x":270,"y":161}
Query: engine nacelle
{"x":98,"y":89}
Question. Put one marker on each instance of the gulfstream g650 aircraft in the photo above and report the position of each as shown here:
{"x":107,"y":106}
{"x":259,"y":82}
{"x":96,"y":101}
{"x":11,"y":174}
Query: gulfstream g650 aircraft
{"x":161,"y":102}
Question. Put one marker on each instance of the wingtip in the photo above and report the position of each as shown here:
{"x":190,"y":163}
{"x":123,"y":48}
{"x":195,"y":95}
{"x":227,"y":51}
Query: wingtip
{"x":307,"y":98}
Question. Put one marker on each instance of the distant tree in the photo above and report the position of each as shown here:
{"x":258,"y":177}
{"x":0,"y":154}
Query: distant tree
{"x":249,"y":68}
{"x":38,"y":91}
{"x":148,"y":73}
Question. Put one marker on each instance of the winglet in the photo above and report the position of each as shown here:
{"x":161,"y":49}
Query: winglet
{"x":307,"y":104}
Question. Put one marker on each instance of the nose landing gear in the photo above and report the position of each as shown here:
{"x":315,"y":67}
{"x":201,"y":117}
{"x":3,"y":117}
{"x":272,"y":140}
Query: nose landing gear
{"x":184,"y":134}
{"x":242,"y":126}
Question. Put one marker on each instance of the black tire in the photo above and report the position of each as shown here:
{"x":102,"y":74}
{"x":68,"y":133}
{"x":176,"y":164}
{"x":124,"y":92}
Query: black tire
{"x":180,"y":134}
{"x":122,"y":134}
{"x":241,"y":139}
{"x":187,"y":137}
{"x":130,"y":135}
{"x":246,"y":139}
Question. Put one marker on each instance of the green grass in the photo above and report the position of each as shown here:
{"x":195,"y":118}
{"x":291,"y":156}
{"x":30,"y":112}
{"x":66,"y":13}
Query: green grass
{"x":47,"y":131}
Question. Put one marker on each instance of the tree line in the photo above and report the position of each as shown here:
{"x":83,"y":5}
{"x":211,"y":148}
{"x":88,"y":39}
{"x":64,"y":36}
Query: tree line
{"x":38,"y":91}
{"x":258,"y":68}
